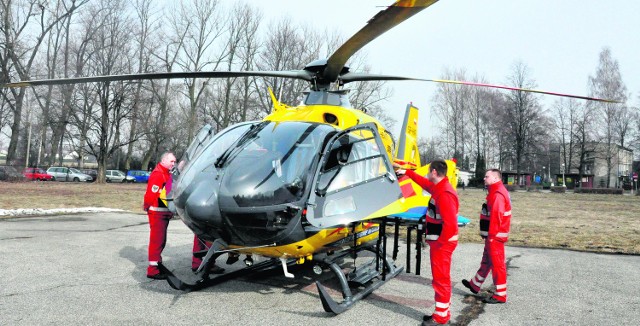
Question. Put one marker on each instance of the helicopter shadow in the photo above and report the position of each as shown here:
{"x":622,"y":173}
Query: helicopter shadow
{"x":269,"y":281}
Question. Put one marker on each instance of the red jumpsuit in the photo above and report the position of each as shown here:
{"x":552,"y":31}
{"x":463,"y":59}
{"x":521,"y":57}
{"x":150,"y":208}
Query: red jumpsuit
{"x":158,"y":186}
{"x":495,"y":221}
{"x":198,"y":245}
{"x":442,"y":237}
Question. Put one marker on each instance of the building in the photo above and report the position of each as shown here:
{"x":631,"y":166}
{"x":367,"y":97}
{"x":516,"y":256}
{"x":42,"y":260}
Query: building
{"x":595,"y":171}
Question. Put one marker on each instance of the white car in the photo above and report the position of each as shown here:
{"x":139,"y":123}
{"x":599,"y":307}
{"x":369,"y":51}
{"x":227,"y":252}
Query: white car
{"x":118,"y":176}
{"x":61,"y":173}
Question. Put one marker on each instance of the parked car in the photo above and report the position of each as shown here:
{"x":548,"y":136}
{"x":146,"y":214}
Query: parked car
{"x":61,"y":173}
{"x":9,"y":173}
{"x":93,"y":173}
{"x":36,"y":174}
{"x":139,"y":175}
{"x":118,"y":176}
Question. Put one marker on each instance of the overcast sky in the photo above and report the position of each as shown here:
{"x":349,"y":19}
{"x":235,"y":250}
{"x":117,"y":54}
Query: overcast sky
{"x":559,"y":40}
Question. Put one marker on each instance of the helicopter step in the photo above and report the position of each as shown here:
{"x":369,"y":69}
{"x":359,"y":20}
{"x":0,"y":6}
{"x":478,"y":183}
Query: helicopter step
{"x":366,"y":275}
{"x":205,"y":282}
{"x":216,"y":249}
{"x":362,"y":275}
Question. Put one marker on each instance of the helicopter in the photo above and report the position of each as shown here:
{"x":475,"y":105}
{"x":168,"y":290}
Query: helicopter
{"x":309,"y":185}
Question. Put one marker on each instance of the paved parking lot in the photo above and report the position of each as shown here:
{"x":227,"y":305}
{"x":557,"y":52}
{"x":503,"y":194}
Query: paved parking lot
{"x":89,"y":268}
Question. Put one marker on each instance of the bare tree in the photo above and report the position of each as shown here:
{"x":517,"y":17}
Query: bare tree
{"x":112,"y":52}
{"x":430,"y":149}
{"x":482,"y":104}
{"x":20,"y":19}
{"x":231,"y":100}
{"x":583,"y":136}
{"x":201,"y":24}
{"x":607,"y":83}
{"x":452,"y":106}
{"x":145,"y":27}
{"x":565,"y":120}
{"x":369,"y":96}
{"x":522,"y":117}
{"x":287,"y":46}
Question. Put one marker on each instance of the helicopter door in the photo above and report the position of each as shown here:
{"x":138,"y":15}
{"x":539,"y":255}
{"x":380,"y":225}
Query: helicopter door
{"x":354,"y":179}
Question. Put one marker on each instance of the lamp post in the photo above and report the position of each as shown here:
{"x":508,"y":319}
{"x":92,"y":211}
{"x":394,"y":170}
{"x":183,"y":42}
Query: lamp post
{"x":544,"y":172}
{"x":563,"y":184}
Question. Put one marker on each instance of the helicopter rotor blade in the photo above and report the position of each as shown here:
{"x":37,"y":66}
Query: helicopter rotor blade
{"x":351,"y":77}
{"x":298,"y":74}
{"x":383,"y":21}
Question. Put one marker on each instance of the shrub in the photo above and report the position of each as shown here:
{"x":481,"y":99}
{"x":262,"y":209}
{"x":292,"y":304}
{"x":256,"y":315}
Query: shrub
{"x":605,"y":191}
{"x":512,"y":187}
{"x":534,"y":188}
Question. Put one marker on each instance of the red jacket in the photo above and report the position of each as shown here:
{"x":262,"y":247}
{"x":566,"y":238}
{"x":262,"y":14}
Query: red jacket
{"x":158,"y":186}
{"x":445,"y":200}
{"x":499,"y":209}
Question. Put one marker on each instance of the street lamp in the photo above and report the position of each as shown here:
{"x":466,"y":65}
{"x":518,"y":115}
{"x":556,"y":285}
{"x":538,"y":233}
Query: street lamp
{"x":563,"y":184}
{"x":544,"y":172}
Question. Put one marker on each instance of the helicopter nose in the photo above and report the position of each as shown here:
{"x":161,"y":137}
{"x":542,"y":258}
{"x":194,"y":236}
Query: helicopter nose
{"x":201,"y":205}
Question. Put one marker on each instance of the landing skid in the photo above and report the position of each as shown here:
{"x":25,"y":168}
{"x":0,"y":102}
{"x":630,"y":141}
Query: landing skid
{"x":367,"y":275}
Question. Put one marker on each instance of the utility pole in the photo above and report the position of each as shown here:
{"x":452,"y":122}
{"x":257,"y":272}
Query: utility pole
{"x":26,"y":97}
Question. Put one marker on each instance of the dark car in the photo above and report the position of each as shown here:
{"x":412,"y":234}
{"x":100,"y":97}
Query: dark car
{"x":36,"y":174}
{"x":93,"y":173}
{"x":139,"y":175}
{"x":9,"y":173}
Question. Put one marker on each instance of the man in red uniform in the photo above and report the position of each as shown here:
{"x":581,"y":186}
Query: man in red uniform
{"x":495,"y":221}
{"x":158,"y":186}
{"x":441,"y":234}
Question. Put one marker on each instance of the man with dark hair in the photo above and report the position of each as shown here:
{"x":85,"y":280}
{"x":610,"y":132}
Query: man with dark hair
{"x":495,"y":221}
{"x":441,"y":234}
{"x":155,"y":204}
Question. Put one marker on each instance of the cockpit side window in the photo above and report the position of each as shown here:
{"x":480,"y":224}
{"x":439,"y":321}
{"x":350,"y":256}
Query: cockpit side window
{"x":353,"y":159}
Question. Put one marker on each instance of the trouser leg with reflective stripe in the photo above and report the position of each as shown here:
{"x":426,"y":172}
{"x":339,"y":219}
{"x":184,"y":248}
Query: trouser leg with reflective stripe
{"x":198,"y":245}
{"x":440,"y":255}
{"x":485,"y":267}
{"x":499,"y":269}
{"x":158,"y":223}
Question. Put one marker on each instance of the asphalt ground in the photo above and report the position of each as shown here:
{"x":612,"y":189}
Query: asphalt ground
{"x":89,"y":269}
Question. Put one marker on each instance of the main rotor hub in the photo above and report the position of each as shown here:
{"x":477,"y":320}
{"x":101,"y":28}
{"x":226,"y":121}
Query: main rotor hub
{"x":320,"y":81}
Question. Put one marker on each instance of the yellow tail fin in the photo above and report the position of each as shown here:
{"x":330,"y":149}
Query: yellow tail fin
{"x":407,"y":149}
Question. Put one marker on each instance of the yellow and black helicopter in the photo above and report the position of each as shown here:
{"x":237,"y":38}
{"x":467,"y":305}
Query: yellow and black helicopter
{"x":309,"y":184}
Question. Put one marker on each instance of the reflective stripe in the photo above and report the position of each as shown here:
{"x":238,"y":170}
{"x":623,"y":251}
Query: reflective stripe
{"x":484,"y":233}
{"x":454,"y":238}
{"x":438,"y":217}
{"x":502,"y":234}
{"x":501,"y":286}
{"x":501,"y":293}
{"x":440,"y":313}
{"x":507,"y":213}
{"x":480,"y":278}
{"x":442,"y":305}
{"x":153,"y":263}
{"x":432,"y":237}
{"x":159,"y":209}
{"x":473,"y":280}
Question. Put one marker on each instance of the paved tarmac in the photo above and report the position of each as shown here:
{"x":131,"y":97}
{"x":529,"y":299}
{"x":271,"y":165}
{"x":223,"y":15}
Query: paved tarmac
{"x":90,"y":269}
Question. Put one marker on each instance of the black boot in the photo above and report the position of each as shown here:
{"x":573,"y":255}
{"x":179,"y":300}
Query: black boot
{"x":467,"y":284}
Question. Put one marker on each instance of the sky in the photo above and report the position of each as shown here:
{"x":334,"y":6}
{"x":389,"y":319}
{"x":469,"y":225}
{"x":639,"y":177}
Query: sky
{"x":559,"y":40}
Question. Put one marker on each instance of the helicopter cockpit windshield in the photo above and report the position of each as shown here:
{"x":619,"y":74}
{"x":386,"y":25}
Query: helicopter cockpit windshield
{"x":272,"y":167}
